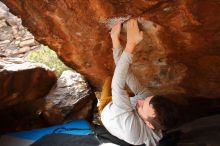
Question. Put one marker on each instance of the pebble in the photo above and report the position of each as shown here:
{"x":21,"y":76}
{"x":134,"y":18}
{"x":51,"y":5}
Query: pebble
{"x":5,"y":42}
{"x":30,"y":42}
{"x":24,"y":49}
{"x":3,"y":14}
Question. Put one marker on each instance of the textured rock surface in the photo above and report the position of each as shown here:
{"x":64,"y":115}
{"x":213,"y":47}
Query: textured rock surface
{"x":23,"y":86}
{"x":71,"y":98}
{"x":179,"y":55}
{"x":198,"y":132}
{"x":23,"y":81}
{"x":15,"y":40}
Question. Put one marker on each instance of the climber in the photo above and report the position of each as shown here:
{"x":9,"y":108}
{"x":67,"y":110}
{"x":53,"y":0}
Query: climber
{"x":139,"y":119}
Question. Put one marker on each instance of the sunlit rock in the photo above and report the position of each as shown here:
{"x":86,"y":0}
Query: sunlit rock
{"x":15,"y":39}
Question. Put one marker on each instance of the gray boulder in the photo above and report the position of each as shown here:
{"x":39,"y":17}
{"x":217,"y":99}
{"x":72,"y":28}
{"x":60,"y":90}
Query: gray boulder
{"x":71,"y":98}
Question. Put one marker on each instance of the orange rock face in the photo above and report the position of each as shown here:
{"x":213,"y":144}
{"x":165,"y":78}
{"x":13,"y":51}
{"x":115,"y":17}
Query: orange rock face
{"x":179,"y":54}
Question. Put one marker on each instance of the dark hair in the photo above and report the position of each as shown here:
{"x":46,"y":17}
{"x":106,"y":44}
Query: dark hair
{"x":166,"y":111}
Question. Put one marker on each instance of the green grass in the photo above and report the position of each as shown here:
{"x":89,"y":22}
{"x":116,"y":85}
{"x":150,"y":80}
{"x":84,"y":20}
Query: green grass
{"x":48,"y":57}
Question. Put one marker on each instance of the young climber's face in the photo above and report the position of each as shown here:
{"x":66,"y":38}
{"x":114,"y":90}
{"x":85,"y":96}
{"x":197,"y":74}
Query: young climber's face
{"x":145,"y":110}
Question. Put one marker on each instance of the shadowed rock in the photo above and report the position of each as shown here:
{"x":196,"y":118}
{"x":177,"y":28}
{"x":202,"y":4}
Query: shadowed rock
{"x":23,"y":81}
{"x":23,"y":86}
{"x":203,"y":131}
{"x":71,"y":98}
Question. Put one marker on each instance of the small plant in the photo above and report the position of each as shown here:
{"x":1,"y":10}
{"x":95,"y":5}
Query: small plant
{"x":49,"y":57}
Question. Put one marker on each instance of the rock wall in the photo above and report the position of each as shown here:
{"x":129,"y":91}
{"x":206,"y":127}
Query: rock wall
{"x":179,"y":55}
{"x":15,"y":39}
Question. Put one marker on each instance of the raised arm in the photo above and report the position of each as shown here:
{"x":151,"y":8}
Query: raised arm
{"x":131,"y":80}
{"x":119,"y":94}
{"x":117,"y":49}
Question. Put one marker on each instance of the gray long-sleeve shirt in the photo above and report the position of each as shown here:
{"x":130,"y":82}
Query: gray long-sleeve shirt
{"x":120,"y":117}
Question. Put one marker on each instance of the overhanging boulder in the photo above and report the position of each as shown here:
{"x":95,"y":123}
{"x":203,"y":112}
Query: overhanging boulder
{"x":179,"y":55}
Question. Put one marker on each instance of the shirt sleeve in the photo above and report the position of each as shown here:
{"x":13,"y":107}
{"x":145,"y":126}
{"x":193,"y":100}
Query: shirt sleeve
{"x":120,"y":96}
{"x":131,"y":80}
{"x":116,"y":54}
